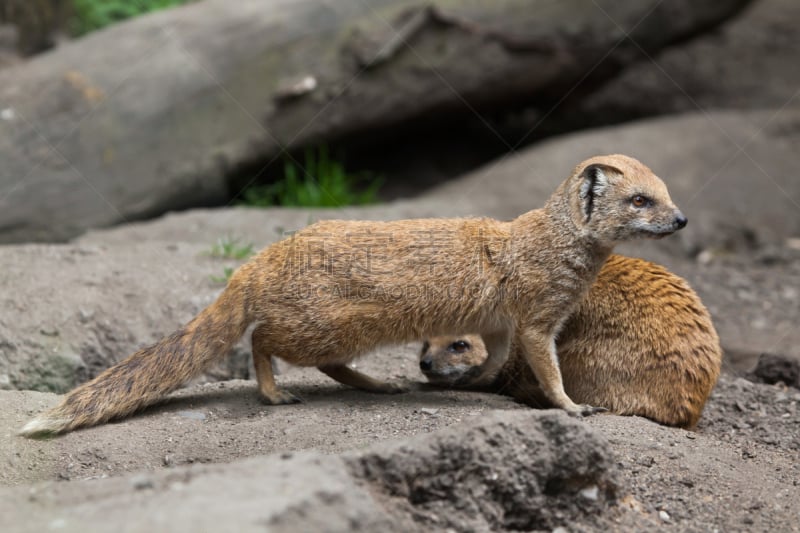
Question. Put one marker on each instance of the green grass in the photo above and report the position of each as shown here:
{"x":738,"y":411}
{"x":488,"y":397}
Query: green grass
{"x":231,"y":248}
{"x":321,"y":182}
{"x":227,"y":272}
{"x":90,"y":15}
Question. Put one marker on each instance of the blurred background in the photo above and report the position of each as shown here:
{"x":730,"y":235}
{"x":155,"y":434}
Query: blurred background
{"x":148,"y":147}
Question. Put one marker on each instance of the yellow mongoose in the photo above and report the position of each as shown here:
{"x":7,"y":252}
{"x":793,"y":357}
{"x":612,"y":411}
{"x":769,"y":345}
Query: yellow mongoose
{"x":338,"y":289}
{"x":640,"y":343}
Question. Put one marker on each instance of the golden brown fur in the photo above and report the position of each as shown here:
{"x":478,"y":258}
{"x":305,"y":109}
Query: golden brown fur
{"x":338,"y":289}
{"x":641,"y":343}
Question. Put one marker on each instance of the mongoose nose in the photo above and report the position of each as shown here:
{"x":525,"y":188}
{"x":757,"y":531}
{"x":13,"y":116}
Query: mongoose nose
{"x":425,"y":364}
{"x":681,"y":221}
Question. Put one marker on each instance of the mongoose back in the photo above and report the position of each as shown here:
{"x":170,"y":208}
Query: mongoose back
{"x":339,"y":289}
{"x":640,"y":343}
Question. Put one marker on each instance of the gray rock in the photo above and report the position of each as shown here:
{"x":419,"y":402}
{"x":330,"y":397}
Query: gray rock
{"x":722,"y":69}
{"x":48,"y":368}
{"x":99,"y":303}
{"x":510,"y":470}
{"x":193,"y":415}
{"x":773,"y":368}
{"x":152,"y":115}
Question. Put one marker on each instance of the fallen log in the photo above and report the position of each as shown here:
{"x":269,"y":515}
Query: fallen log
{"x":156,"y":113}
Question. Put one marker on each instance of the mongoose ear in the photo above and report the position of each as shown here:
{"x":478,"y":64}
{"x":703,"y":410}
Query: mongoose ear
{"x":594,"y":181}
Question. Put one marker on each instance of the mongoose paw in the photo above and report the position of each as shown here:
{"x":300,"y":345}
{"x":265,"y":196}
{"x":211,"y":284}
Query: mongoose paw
{"x":585,"y":410}
{"x":281,"y":397}
{"x":468,"y":377}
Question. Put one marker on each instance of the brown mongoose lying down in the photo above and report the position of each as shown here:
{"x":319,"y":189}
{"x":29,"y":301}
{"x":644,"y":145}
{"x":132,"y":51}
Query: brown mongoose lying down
{"x":640,"y":343}
{"x":337,"y":290}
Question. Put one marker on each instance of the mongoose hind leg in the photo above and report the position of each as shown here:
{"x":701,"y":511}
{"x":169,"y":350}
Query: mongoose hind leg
{"x":348,"y":376}
{"x":262,"y":360}
{"x":540,"y":352}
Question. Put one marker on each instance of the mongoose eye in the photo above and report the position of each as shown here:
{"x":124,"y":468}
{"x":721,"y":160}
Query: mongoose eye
{"x":459,"y":347}
{"x":641,"y":201}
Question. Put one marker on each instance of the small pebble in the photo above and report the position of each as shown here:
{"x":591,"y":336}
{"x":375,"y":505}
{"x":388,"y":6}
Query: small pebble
{"x":141,"y":482}
{"x":590,"y":493}
{"x":58,"y":523}
{"x":793,"y":243}
{"x":194,"y":415}
{"x":428,"y":411}
{"x":664,"y":516}
{"x":705,"y":257}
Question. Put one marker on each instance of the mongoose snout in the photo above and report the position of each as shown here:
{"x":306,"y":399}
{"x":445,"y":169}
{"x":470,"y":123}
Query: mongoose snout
{"x":660,"y":231}
{"x":456,"y":350}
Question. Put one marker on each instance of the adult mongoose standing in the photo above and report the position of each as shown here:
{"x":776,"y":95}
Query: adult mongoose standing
{"x":339,"y":289}
{"x":640,"y":343}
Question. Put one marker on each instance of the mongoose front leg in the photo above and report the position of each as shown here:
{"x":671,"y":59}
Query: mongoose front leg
{"x":262,"y":360}
{"x":348,"y":376}
{"x":540,"y":352}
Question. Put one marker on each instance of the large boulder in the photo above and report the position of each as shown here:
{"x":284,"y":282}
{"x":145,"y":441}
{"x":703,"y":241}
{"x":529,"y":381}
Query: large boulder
{"x":157,"y":113}
{"x":732,"y":172}
{"x":506,"y":471}
{"x":749,"y":63}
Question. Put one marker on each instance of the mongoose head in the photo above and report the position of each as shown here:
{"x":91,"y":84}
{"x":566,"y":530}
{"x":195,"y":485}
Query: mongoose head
{"x":452,"y":361}
{"x":615,"y":198}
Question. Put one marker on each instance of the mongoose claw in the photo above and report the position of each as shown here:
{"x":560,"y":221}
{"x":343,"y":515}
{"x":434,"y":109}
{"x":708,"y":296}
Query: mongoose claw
{"x":581,"y":411}
{"x":589,"y":410}
{"x":280,"y":398}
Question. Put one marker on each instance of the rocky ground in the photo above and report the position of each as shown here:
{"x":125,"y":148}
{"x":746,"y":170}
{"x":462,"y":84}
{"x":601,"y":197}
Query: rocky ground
{"x":214,"y":455}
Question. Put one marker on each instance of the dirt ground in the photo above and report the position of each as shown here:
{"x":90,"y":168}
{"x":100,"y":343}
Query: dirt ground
{"x":737,"y":471}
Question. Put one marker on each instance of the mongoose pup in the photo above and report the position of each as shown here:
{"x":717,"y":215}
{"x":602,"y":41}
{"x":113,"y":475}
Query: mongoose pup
{"x":640,"y":343}
{"x":339,"y":289}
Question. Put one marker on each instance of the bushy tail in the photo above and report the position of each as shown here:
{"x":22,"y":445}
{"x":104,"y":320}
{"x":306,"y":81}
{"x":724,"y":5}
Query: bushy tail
{"x":149,"y":374}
